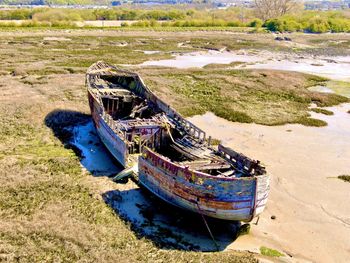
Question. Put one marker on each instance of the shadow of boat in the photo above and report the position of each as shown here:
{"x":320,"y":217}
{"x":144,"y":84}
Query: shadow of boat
{"x":168,"y":227}
{"x":76,"y":131}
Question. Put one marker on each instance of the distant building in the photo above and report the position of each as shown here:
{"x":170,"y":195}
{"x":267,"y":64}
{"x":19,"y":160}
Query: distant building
{"x":327,"y":5}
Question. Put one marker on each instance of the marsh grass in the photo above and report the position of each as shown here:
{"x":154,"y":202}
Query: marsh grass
{"x":51,"y":210}
{"x":307,"y":121}
{"x":237,"y":95}
{"x":316,"y":80}
{"x":327,"y":100}
{"x":345,"y":178}
{"x":264,"y":97}
{"x":322,"y":111}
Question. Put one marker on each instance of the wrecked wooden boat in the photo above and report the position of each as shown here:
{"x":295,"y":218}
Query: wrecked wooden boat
{"x":169,"y":155}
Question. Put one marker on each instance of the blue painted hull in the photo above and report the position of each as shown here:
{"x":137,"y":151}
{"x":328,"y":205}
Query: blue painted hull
{"x":115,"y":145}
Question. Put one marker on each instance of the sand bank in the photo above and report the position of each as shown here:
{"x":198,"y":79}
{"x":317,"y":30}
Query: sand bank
{"x":312,"y":207}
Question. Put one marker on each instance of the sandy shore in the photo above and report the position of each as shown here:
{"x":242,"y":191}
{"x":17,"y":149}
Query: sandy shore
{"x":312,"y":209}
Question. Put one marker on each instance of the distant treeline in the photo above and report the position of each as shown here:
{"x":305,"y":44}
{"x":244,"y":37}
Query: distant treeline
{"x":303,"y":21}
{"x":54,"y":14}
{"x":311,"y":21}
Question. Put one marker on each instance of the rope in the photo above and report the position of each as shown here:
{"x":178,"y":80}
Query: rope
{"x":206,"y":224}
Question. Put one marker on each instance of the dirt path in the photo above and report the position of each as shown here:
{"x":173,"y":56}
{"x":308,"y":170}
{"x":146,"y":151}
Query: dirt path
{"x":312,"y":209}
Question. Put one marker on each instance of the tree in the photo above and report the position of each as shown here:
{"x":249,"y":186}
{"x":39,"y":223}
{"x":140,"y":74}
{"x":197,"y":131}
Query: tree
{"x":267,"y":9}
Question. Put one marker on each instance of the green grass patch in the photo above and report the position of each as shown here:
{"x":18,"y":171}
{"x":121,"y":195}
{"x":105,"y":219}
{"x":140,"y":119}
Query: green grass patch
{"x":246,"y":96}
{"x":345,"y":178}
{"x":307,"y":121}
{"x":327,"y":100}
{"x":270,"y":252}
{"x":314,"y":80}
{"x":231,"y":115}
{"x":322,"y":111}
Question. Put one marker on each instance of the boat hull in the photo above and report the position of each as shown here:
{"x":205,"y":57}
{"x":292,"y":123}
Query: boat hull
{"x":238,"y":199}
{"x":239,"y":195}
{"x":115,"y":145}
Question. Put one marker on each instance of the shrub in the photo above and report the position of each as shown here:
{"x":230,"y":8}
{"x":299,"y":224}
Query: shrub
{"x":339,"y":25}
{"x":283,"y":24}
{"x":234,"y":24}
{"x":256,"y":23}
{"x":318,"y":25}
{"x":17,"y":14}
{"x":54,"y":15}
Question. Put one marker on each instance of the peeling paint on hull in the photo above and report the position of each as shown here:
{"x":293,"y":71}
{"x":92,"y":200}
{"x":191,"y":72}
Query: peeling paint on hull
{"x":225,"y":198}
{"x":112,"y":141}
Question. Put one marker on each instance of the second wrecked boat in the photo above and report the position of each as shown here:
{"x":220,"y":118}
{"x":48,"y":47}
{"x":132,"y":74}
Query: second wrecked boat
{"x":171,"y":157}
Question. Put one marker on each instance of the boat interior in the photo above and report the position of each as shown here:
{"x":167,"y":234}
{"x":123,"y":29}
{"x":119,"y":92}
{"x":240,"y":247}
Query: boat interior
{"x":142,"y":124}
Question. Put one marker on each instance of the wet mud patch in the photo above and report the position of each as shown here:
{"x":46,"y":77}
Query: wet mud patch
{"x":94,"y":156}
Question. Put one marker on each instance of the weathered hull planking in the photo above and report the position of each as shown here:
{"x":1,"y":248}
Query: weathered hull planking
{"x":224,"y":198}
{"x":115,"y":145}
{"x":173,"y":157}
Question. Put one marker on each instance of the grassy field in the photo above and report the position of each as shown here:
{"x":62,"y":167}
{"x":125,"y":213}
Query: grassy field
{"x":51,"y":210}
{"x":264,"y":97}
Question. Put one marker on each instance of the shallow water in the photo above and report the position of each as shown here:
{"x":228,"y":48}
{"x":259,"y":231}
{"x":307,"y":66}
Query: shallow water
{"x":322,"y":89}
{"x":95,"y":157}
{"x":336,"y":71}
{"x":150,"y":52}
{"x":201,"y":59}
{"x":336,"y":68}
